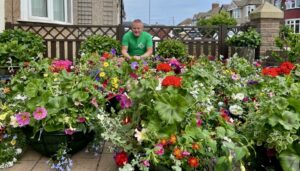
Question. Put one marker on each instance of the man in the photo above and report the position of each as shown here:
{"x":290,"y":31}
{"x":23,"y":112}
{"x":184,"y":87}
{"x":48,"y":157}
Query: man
{"x":137,"y":43}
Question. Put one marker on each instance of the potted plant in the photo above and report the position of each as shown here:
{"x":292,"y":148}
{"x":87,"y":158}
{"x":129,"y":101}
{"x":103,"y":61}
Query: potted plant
{"x":174,"y":123}
{"x":54,"y":103}
{"x":245,"y":43}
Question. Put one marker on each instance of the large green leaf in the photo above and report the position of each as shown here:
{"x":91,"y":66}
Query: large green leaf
{"x":80,"y":96}
{"x":171,"y":107}
{"x":33,"y":87}
{"x":290,"y":159}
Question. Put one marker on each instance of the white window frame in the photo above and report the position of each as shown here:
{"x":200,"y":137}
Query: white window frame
{"x":290,"y":5}
{"x":292,"y":22}
{"x":236,"y":13}
{"x":26,"y":13}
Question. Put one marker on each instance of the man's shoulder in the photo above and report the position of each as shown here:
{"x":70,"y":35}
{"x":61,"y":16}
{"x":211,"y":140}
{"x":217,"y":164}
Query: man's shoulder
{"x":146,"y":34}
{"x":128,"y":34}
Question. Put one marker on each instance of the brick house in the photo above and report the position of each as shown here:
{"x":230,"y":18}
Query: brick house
{"x":70,"y":12}
{"x":291,"y":10}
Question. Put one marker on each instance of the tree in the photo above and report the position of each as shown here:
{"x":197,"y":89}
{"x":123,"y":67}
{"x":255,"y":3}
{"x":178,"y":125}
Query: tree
{"x":222,"y":18}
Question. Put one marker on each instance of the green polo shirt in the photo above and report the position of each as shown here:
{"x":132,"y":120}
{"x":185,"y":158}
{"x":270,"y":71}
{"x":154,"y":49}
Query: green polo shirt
{"x":137,"y":45}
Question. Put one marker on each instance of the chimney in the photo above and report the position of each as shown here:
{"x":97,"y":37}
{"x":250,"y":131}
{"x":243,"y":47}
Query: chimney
{"x":214,"y":5}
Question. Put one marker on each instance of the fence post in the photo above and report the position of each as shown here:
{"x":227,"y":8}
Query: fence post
{"x":120,"y":32}
{"x":8,"y":25}
{"x":223,"y":48}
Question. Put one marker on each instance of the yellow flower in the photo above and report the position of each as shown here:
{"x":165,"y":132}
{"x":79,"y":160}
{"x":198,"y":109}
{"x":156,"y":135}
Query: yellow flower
{"x":105,"y":64}
{"x":45,"y":75}
{"x":115,"y":85}
{"x":13,"y":142}
{"x":102,"y":74}
{"x":115,"y":80}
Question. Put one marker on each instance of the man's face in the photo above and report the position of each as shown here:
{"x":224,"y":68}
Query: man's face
{"x":137,"y":28}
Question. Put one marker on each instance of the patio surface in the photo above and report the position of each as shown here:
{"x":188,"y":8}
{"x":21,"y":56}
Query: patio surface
{"x":82,"y":161}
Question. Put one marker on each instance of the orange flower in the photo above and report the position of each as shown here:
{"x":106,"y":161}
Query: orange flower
{"x":177,"y":153}
{"x":195,"y":146}
{"x":173,"y":139}
{"x":193,"y":162}
{"x":6,"y":90}
{"x":163,"y":141}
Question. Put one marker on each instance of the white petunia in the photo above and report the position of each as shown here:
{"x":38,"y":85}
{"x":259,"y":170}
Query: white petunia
{"x":13,"y":122}
{"x":20,"y":97}
{"x":140,"y":135}
{"x":236,"y":110}
{"x":238,"y":96}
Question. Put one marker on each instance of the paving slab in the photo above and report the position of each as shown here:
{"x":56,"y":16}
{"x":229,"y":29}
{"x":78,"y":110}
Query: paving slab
{"x":22,"y":166}
{"x":107,"y":163}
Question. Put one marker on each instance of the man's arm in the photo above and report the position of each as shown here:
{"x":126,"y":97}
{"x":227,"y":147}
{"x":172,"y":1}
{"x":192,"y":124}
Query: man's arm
{"x":148,"y":53}
{"x":125,"y":52}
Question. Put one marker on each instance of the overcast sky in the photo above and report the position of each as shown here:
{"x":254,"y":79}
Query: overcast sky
{"x":166,"y":11}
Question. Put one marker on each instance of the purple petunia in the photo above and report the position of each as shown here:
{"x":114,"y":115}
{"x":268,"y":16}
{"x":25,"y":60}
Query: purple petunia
{"x":23,"y":118}
{"x":134,"y":65}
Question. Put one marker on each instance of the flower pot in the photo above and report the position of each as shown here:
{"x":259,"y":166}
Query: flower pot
{"x":246,"y":52}
{"x":159,"y":168}
{"x":47,"y":143}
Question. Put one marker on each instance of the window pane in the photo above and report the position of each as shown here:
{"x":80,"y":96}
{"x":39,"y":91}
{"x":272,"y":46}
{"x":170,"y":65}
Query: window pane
{"x":39,"y":8}
{"x":59,"y":10}
{"x":298,"y":3}
{"x":69,"y":9}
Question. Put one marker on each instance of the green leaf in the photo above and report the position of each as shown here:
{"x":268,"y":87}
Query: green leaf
{"x":80,"y":96}
{"x":53,"y":127}
{"x":171,"y":107}
{"x":32,"y":88}
{"x":220,"y":131}
{"x":295,"y":103}
{"x":240,"y":152}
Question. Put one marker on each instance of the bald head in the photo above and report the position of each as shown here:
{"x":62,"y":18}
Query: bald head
{"x":137,"y":27}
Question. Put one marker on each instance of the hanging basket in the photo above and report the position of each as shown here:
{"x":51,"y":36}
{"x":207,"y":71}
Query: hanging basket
{"x":48,"y":142}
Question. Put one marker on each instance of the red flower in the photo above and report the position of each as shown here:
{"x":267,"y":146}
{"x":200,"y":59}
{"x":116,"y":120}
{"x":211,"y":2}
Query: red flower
{"x":163,"y":67}
{"x":121,"y":159}
{"x":172,"y":81}
{"x":59,"y":65}
{"x":106,"y":55}
{"x":286,"y":67}
{"x":193,"y":162}
{"x":271,"y":71}
{"x":134,"y":76}
{"x":81,"y":119}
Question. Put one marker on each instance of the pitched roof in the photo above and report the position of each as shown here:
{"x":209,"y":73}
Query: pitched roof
{"x":187,"y":21}
{"x":242,"y":3}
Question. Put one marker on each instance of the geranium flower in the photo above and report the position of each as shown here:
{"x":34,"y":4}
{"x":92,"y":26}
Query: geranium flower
{"x":193,"y":162}
{"x":40,"y":113}
{"x":172,"y":81}
{"x":23,"y":118}
{"x":173,"y":139}
{"x":121,"y":159}
{"x":286,"y":67}
{"x":59,"y":65}
{"x":273,"y":72}
{"x":177,"y":153}
{"x":163,"y":67}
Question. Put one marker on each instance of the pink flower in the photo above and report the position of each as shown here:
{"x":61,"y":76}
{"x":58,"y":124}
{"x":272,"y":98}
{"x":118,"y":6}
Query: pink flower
{"x":40,"y":113}
{"x":199,"y":122}
{"x":146,"y":163}
{"x":94,"y":102}
{"x":59,"y":65}
{"x":159,"y":149}
{"x":235,"y":76}
{"x":23,"y":118}
{"x":81,"y":119}
{"x":185,"y":153}
{"x":69,"y":131}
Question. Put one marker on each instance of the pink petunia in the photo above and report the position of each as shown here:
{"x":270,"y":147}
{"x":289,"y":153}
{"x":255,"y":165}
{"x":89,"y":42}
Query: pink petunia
{"x":94,"y":102}
{"x":159,"y":149}
{"x":69,"y":131}
{"x":81,"y":119}
{"x":40,"y":113}
{"x":199,"y":122}
{"x":146,"y":163}
{"x":23,"y":118}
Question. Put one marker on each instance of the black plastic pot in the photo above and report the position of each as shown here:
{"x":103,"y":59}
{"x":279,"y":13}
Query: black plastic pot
{"x":47,"y":144}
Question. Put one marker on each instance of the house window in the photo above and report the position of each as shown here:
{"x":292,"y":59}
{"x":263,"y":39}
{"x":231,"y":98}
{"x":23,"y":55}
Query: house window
{"x":50,"y":11}
{"x":294,"y":25}
{"x":236,"y":13}
{"x":290,"y":4}
{"x":250,"y":9}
